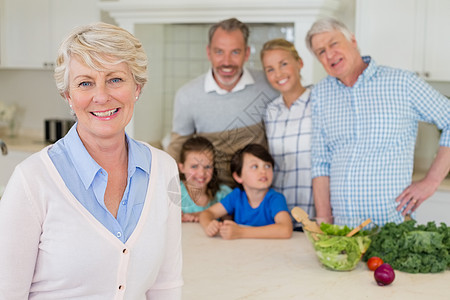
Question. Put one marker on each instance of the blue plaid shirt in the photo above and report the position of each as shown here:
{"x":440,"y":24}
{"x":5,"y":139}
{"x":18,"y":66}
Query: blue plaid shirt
{"x":289,"y":133}
{"x":364,"y":138}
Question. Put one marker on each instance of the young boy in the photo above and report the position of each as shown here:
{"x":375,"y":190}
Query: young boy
{"x":259,"y":211}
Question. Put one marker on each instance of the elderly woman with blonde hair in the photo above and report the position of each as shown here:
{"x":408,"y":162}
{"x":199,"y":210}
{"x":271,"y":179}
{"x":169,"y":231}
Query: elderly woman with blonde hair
{"x":97,"y":214}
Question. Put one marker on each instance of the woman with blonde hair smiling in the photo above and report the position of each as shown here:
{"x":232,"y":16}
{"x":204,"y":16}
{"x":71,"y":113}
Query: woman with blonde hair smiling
{"x":288,"y":124}
{"x":97,"y":214}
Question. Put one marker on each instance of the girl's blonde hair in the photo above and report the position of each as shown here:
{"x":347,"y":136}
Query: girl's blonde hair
{"x":97,"y":45}
{"x":279,"y":44}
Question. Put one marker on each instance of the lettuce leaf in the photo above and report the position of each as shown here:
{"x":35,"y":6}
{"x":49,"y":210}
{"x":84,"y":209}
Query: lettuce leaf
{"x":333,"y":229}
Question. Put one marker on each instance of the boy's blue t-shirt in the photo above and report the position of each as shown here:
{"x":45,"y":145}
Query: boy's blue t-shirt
{"x":236,"y":203}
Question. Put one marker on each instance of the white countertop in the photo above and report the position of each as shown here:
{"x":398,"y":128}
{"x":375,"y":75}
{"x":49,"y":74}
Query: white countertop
{"x":214,"y":268}
{"x":33,"y":142}
{"x":29,"y":142}
{"x":444,"y":186}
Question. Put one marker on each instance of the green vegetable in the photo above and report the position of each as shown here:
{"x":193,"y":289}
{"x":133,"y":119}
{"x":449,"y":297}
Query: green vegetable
{"x":413,"y":248}
{"x":335,"y":250}
{"x":333,"y":229}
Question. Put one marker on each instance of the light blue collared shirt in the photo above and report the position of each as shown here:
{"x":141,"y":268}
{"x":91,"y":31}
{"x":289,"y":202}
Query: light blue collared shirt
{"x":87,"y":181}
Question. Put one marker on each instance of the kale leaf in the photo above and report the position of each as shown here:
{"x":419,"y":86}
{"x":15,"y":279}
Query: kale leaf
{"x":413,"y":248}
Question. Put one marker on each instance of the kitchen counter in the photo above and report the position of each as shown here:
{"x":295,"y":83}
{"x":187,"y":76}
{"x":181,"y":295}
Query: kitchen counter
{"x":214,"y":268}
{"x":34,"y":142}
{"x":444,"y":186}
{"x":28,"y":142}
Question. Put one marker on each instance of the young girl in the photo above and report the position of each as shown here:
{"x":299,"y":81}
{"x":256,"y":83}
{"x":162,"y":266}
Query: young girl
{"x":288,"y":125}
{"x":259,"y":211}
{"x":199,"y":184}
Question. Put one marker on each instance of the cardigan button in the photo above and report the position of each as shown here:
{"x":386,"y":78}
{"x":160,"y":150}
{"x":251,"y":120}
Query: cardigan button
{"x":121,"y":287}
{"x":125,"y":251}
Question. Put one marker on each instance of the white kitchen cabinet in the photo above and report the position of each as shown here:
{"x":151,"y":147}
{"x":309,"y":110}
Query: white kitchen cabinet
{"x":437,"y":40}
{"x":24,"y":35}
{"x":31,"y":30}
{"x":408,"y":34}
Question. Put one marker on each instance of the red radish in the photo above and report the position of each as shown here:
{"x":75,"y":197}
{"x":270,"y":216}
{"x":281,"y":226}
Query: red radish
{"x":384,"y":274}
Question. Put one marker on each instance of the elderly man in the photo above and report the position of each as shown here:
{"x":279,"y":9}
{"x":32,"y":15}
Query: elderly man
{"x":365,"y":120}
{"x":227,"y":103}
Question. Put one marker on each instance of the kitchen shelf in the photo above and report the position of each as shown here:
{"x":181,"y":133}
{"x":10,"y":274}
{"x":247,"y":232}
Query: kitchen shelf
{"x":33,"y":142}
{"x":30,"y":142}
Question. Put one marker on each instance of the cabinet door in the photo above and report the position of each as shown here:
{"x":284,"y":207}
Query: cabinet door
{"x":437,"y":40}
{"x":25,"y":27}
{"x":33,"y":29}
{"x":67,"y":14}
{"x":387,"y":30}
{"x":407,"y":34}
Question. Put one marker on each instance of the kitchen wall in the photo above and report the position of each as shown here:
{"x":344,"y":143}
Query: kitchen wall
{"x":427,"y":143}
{"x":35,"y":92}
{"x":177,"y":54}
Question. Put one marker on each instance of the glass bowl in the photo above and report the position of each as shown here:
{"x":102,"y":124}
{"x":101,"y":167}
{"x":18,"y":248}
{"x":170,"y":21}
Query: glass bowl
{"x":337,"y":252}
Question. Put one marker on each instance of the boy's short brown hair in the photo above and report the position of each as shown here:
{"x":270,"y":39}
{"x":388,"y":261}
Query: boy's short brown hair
{"x":254,"y":149}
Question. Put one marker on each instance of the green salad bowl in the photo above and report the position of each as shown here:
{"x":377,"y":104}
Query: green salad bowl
{"x":335,"y":250}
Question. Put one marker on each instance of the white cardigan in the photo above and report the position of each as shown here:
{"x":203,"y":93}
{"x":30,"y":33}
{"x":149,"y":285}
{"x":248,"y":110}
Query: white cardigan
{"x":53,"y":248}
